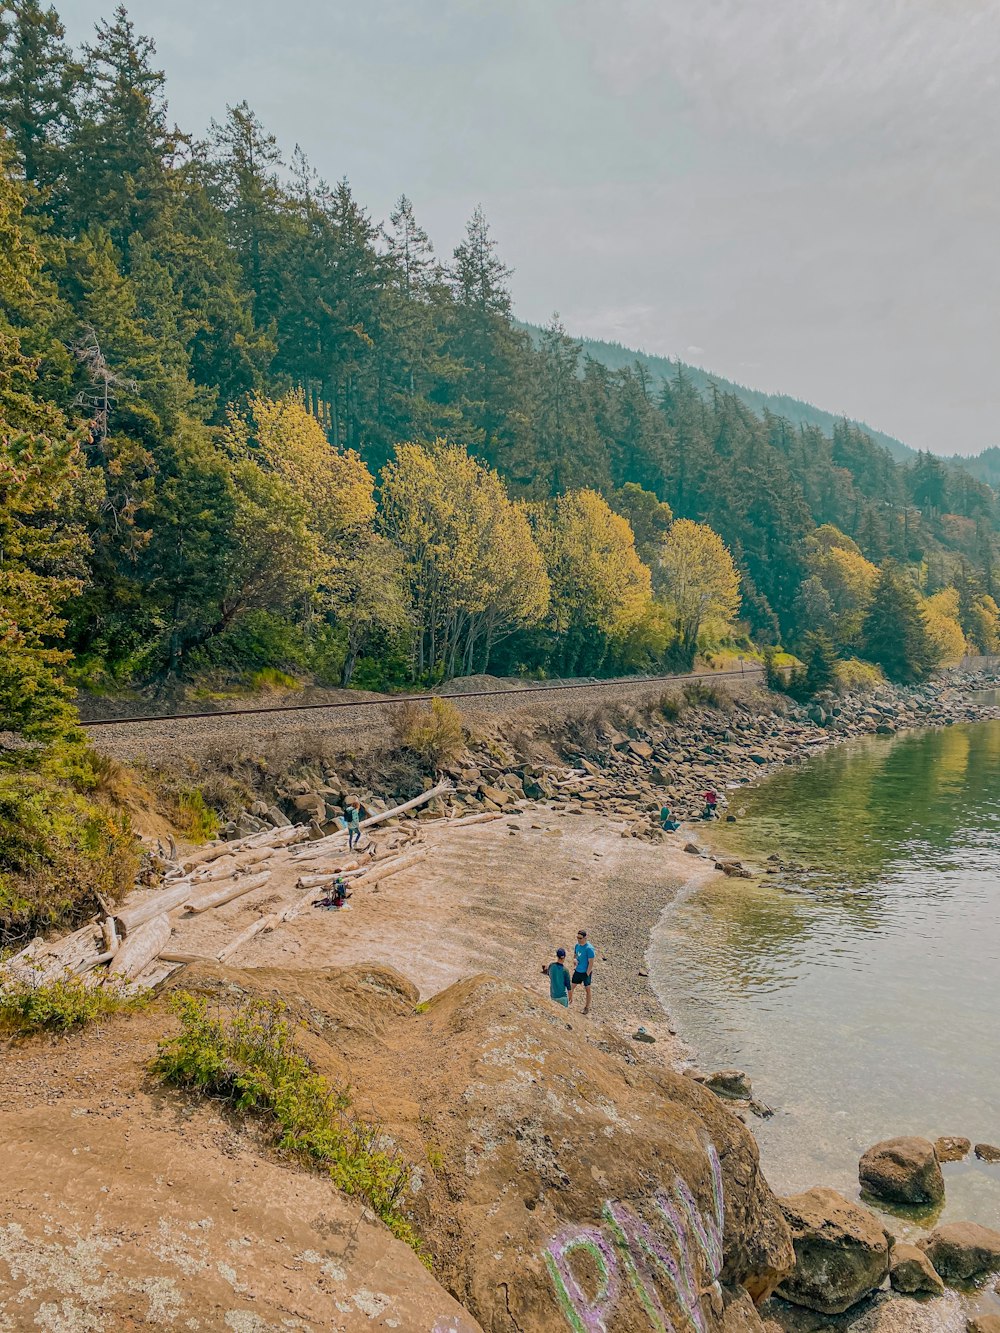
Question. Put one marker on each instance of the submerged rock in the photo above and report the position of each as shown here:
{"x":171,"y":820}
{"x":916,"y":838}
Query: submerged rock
{"x":904,"y":1170}
{"x":841,"y":1251}
{"x":987,"y":1152}
{"x":910,"y":1271}
{"x":960,"y":1250}
{"x":730,"y":1083}
{"x":952,"y":1148}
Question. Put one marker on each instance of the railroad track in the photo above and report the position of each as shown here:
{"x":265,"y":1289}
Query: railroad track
{"x":746,"y":673}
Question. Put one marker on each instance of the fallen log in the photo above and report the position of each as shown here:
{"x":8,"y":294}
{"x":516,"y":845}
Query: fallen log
{"x":140,"y":948}
{"x":131,"y":917}
{"x":255,"y":927}
{"x":389,"y":868}
{"x":109,"y":934}
{"x":396,"y":810}
{"x":484,"y":818}
{"x":171,"y":956}
{"x":218,"y":897}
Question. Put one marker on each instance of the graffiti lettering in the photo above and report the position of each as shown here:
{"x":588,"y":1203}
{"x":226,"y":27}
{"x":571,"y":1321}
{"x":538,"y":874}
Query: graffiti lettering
{"x":682,"y":1259}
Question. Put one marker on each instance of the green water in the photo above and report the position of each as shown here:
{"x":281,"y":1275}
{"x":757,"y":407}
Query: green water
{"x":861,"y":991}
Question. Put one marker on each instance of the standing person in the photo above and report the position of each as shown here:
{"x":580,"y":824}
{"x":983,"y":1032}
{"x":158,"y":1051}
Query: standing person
{"x":583,"y":967}
{"x":711,"y":804}
{"x":353,"y":817}
{"x":560,"y":980}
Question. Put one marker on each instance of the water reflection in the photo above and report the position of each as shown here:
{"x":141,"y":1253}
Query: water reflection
{"x":860,"y":991}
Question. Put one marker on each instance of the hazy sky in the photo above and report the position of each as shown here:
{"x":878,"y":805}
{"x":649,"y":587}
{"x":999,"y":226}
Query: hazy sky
{"x":802,"y":195}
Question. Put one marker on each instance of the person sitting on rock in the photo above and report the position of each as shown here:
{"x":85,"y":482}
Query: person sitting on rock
{"x":559,"y":978}
{"x":667,"y":821}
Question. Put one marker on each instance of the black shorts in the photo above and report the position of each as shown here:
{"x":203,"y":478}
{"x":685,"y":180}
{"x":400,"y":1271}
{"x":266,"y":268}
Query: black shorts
{"x":581,"y":978}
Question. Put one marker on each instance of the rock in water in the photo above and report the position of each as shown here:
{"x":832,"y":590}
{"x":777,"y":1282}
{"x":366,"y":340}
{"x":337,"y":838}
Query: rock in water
{"x":730,"y":1083}
{"x":984,"y":1323}
{"x":911,"y":1271}
{"x":902,"y":1170}
{"x":841,"y":1251}
{"x":960,"y":1250}
{"x":952,"y":1148}
{"x":987,"y":1152}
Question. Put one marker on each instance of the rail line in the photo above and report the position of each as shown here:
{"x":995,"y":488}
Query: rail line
{"x":398,"y":701}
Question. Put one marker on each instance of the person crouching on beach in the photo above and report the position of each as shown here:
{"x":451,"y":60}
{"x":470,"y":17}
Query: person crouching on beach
{"x":583,"y":967}
{"x":560,"y":980}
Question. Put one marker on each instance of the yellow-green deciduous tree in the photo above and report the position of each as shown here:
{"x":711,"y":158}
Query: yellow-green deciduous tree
{"x":601,"y":590}
{"x":474,"y":571}
{"x":943,"y":627}
{"x":700,"y":582}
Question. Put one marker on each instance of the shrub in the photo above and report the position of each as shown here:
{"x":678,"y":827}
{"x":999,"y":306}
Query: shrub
{"x":435,"y":735}
{"x":195,"y":819}
{"x":700,"y":695}
{"x":247,"y":1058}
{"x":856,"y":677}
{"x":58,"y":851}
{"x":670,"y":707}
{"x":63,"y":1004}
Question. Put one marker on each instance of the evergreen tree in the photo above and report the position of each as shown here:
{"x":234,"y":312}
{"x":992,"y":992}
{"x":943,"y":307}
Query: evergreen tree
{"x":37,"y":77}
{"x":894,"y":635}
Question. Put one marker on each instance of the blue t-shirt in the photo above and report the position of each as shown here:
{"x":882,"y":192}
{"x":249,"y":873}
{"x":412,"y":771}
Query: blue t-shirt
{"x":559,"y":981}
{"x":583,"y":954}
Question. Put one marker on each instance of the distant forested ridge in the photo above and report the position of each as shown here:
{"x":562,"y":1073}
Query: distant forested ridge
{"x":247,"y":429}
{"x":794,"y":410}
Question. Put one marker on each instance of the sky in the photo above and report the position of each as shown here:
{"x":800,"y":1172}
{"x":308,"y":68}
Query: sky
{"x":800,"y":195}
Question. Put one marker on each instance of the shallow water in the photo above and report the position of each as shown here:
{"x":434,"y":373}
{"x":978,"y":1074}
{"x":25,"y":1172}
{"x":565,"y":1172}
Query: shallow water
{"x":862,"y":997}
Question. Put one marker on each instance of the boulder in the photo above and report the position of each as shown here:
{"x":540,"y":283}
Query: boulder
{"x":277,"y":817}
{"x":984,"y":1323}
{"x":497,"y":795}
{"x":641,"y":749}
{"x":987,"y":1152}
{"x":910,"y":1271}
{"x":960,"y":1250}
{"x":904,"y":1170}
{"x":952,"y":1148}
{"x":729,"y":1083}
{"x":841,"y":1251}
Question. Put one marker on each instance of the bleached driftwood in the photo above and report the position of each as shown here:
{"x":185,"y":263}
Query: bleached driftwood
{"x":387,"y":868}
{"x":109,"y":934}
{"x":132,"y":916}
{"x":396,"y":810}
{"x":484,"y":818}
{"x":255,"y":927}
{"x":179,"y":956}
{"x":226,"y":893}
{"x":139,"y":948}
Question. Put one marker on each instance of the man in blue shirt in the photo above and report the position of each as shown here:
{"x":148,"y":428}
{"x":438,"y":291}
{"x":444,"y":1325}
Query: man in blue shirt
{"x":583,"y":967}
{"x":559,"y":979}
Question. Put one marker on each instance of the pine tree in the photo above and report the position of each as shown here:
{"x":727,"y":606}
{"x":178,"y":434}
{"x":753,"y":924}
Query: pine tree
{"x":37,"y":77}
{"x":894,"y":635}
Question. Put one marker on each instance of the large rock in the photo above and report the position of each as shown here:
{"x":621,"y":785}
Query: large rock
{"x":960,"y":1250}
{"x":984,"y":1323}
{"x":910,"y":1271}
{"x":841,"y":1251}
{"x":550,"y":1154}
{"x":904,"y":1170}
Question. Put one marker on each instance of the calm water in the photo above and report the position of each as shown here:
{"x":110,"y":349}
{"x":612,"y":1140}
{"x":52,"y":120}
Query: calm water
{"x":864,"y":997}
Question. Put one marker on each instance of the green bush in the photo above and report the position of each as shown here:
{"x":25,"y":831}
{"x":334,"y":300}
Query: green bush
{"x":247,"y":1057}
{"x":270,"y":678}
{"x":670,"y":707}
{"x":59,"y":849}
{"x":856,"y":677}
{"x":700,"y":695}
{"x":58,"y":1006}
{"x":197,"y":820}
{"x":434,"y":735}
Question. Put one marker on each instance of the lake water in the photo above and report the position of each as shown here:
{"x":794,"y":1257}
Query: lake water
{"x":862,"y":991}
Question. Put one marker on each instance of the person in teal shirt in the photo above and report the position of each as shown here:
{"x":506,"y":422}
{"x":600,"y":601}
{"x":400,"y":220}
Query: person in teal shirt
{"x":559,"y":979}
{"x":583,"y":967}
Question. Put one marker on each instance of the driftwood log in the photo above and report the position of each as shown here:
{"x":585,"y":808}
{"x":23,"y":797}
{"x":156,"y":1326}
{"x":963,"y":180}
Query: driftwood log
{"x":387,"y":868}
{"x":133,"y":915}
{"x":139,"y":948}
{"x":396,"y":810}
{"x":225,"y":893}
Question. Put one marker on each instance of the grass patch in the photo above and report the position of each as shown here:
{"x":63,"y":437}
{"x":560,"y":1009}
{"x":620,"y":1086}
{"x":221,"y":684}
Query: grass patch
{"x":270,"y":678}
{"x":63,"y":1004}
{"x":195,"y":818}
{"x":856,"y":677}
{"x":699,"y":695}
{"x":247,"y":1058}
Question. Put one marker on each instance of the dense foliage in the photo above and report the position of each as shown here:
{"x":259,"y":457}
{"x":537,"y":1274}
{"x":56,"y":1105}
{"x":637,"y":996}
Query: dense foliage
{"x":248,"y":428}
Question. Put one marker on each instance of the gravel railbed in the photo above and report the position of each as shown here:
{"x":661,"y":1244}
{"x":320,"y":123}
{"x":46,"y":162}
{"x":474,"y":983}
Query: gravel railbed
{"x":365,"y":726}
